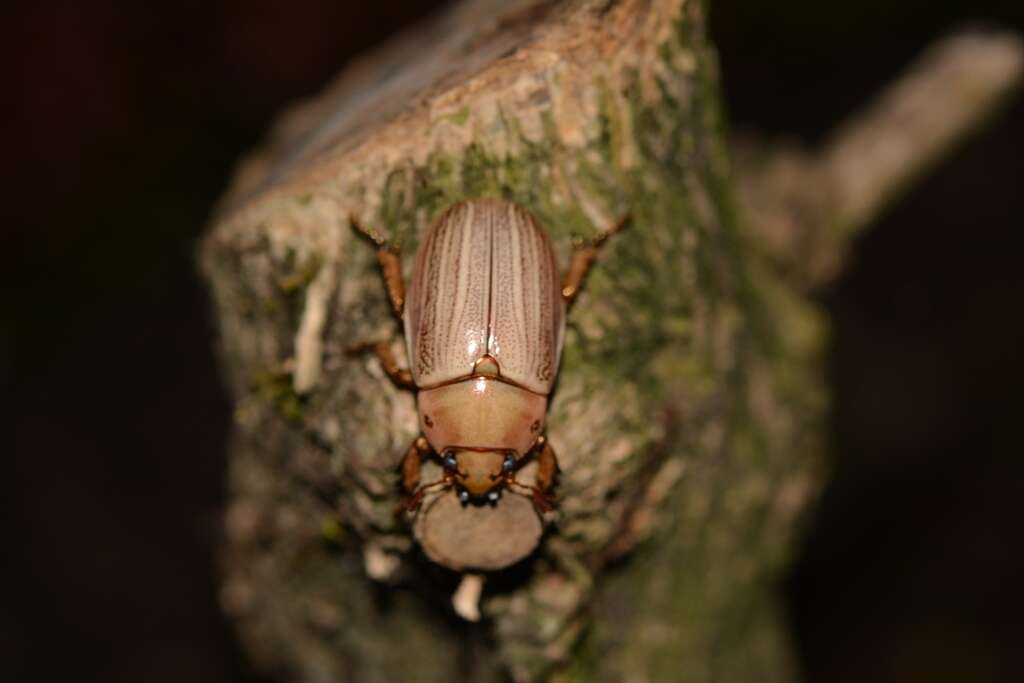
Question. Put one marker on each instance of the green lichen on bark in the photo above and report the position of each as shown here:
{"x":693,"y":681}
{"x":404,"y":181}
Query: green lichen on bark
{"x":685,"y":413}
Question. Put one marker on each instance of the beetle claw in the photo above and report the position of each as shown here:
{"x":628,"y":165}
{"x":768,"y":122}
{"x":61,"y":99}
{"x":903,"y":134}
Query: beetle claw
{"x":404,"y":508}
{"x":358,"y":348}
{"x":543,"y":502}
{"x":411,"y":503}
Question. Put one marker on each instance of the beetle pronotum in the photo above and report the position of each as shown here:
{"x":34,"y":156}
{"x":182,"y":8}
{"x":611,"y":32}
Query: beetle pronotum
{"x":484,"y":322}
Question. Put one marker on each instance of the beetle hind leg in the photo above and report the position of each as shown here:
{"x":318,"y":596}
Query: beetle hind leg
{"x":389,"y":257}
{"x":583,"y":256}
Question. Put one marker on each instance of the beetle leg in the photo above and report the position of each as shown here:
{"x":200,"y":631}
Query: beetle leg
{"x":583,"y":256}
{"x":412,"y":503}
{"x":411,"y":463}
{"x":410,"y":468}
{"x":389,"y":257}
{"x":547,"y":470}
{"x":547,"y":465}
{"x":542,"y":502}
{"x":388,"y":363}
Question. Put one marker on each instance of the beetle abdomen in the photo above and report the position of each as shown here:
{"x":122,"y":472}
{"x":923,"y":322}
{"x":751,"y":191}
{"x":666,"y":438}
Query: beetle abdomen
{"x":486,"y":283}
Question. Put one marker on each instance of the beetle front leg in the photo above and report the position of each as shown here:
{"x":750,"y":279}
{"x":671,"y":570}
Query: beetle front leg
{"x":410,"y":469}
{"x":547,"y":465}
{"x":412,"y":463}
{"x":389,"y":257}
{"x":583,"y":257}
{"x":547,"y":470}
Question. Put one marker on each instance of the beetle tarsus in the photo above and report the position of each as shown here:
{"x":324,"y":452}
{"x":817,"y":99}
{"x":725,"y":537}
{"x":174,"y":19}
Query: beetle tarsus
{"x":605,"y":234}
{"x":369,"y":234}
{"x":412,"y":502}
{"x":543,"y":502}
{"x":583,"y":256}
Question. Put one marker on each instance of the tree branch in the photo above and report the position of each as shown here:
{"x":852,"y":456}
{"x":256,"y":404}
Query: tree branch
{"x":808,"y":206}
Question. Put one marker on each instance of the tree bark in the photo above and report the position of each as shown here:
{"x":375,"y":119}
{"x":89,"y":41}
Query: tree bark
{"x":689,"y":408}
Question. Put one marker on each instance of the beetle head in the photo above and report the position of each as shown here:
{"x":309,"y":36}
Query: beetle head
{"x":478,"y":473}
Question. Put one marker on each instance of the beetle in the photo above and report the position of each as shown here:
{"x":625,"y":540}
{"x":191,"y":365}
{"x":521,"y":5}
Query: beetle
{"x":484,"y":320}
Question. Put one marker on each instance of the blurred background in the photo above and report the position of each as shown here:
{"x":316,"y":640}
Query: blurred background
{"x":123,"y":125}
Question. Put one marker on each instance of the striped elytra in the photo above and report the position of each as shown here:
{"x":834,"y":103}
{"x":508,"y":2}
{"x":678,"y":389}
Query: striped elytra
{"x":486,"y":283}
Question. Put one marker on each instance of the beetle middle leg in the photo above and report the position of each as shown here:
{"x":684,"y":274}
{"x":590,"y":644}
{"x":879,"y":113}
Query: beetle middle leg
{"x":389,"y":257}
{"x":583,"y":256}
{"x":388,"y":363}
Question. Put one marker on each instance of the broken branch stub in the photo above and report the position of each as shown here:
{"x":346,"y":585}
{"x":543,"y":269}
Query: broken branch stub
{"x":482,"y":537}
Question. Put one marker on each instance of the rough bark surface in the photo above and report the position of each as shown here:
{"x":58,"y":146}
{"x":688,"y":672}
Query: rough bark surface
{"x":688,"y":411}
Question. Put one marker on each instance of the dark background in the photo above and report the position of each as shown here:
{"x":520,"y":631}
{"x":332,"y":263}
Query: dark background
{"x":122,"y":126}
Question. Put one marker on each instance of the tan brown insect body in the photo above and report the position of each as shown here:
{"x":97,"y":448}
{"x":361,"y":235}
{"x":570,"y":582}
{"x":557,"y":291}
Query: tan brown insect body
{"x":484,"y":322}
